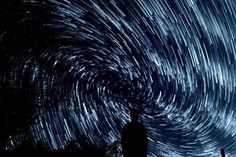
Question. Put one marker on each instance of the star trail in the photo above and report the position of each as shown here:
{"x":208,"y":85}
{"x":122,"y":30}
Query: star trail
{"x":173,"y":60}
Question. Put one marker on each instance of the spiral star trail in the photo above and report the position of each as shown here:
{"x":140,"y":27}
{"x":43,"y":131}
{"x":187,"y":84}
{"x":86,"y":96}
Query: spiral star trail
{"x":173,"y":60}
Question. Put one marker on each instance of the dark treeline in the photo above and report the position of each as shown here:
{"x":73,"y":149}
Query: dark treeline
{"x":23,"y":36}
{"x":74,"y":147}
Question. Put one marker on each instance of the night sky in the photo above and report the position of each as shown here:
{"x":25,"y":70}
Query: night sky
{"x":74,"y":68}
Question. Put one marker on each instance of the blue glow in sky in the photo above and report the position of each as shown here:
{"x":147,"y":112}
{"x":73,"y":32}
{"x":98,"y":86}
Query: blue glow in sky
{"x":174,"y":60}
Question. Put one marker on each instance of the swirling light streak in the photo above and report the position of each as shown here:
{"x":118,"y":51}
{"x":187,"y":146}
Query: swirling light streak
{"x":174,"y":60}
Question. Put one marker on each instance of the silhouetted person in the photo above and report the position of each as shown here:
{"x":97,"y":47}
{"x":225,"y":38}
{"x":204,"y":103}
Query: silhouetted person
{"x":222,"y":152}
{"x":134,"y":137}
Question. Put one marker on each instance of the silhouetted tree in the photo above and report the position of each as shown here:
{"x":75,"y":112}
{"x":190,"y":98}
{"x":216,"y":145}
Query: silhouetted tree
{"x":72,"y":146}
{"x":41,"y":146}
{"x":113,"y":149}
{"x":23,"y":34}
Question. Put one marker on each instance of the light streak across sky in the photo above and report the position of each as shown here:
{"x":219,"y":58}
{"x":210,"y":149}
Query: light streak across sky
{"x":175,"y":60}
